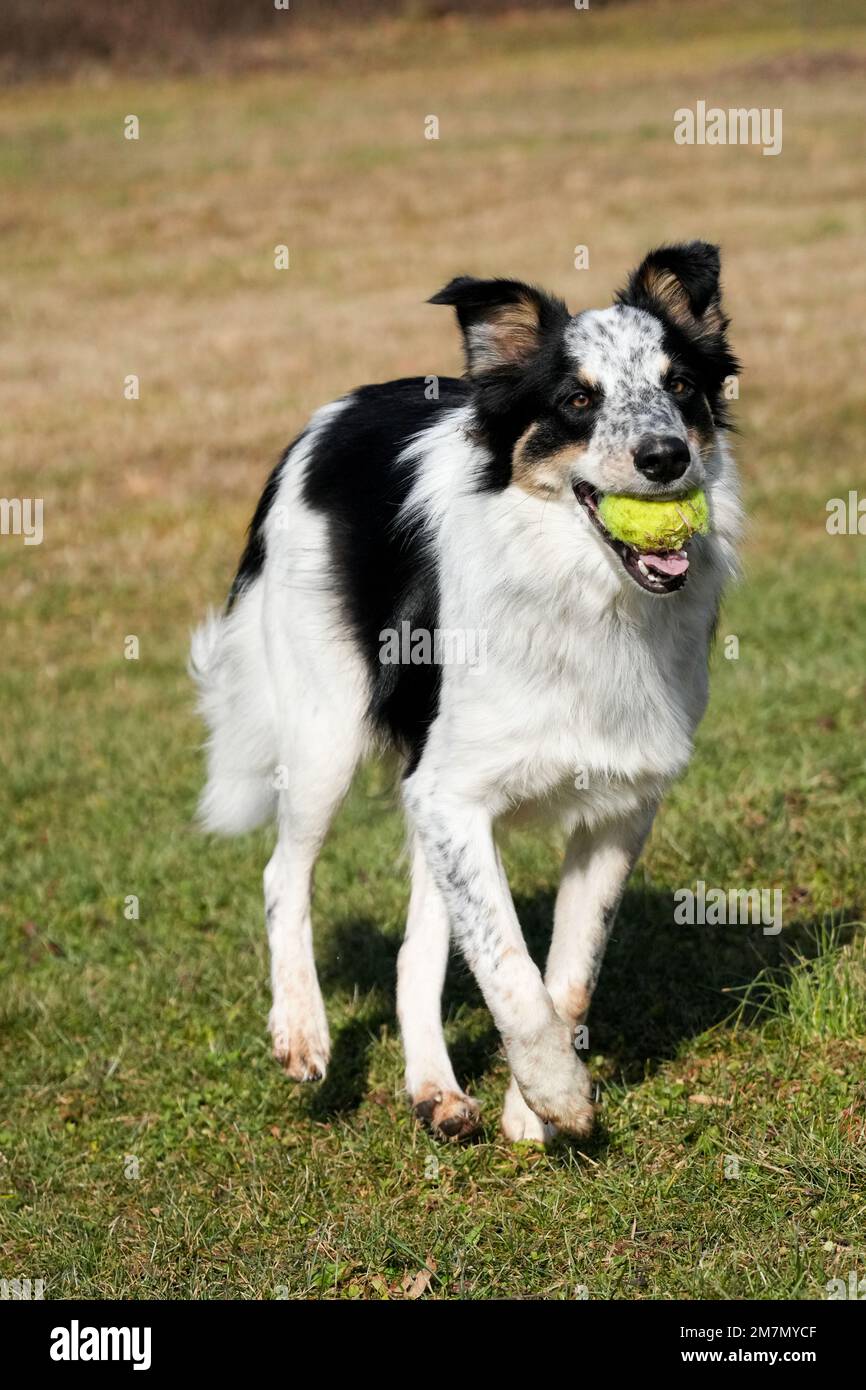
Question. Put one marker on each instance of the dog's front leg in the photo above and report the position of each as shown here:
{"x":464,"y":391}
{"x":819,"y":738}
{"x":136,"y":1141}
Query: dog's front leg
{"x":457,"y":836}
{"x":421,"y":964}
{"x":597,"y":865}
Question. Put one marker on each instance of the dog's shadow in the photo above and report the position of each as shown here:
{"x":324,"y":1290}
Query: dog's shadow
{"x":661,"y":984}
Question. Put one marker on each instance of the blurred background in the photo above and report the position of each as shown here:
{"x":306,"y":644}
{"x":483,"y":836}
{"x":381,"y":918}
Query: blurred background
{"x":134,"y":975}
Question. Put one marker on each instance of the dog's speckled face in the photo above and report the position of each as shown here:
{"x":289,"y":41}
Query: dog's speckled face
{"x":620,"y":400}
{"x":633,"y":389}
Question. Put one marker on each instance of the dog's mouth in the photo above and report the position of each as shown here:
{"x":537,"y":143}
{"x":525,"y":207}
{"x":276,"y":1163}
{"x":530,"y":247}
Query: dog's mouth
{"x":657,"y":572}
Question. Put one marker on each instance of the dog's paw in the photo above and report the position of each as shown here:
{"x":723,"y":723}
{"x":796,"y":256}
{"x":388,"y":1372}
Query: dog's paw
{"x":450,"y":1114}
{"x":303,"y":1053}
{"x":554,"y":1081}
{"x":522,"y":1125}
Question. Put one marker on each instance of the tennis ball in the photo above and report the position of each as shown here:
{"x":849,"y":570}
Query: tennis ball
{"x":650,"y":525}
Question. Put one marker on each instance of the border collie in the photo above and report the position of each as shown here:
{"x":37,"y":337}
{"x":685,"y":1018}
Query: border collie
{"x":435,"y":505}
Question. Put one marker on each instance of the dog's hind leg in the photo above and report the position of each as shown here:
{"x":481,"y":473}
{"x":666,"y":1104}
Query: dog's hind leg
{"x":318,"y":769}
{"x":435,"y":1094}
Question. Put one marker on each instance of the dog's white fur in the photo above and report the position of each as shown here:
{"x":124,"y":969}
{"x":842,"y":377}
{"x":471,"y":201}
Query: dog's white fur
{"x":584,"y":713}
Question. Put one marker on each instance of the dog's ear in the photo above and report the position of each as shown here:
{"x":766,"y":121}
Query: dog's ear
{"x":680,"y":283}
{"x":503,"y":321}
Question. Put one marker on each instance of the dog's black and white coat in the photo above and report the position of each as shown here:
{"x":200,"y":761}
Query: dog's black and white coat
{"x":477,"y":512}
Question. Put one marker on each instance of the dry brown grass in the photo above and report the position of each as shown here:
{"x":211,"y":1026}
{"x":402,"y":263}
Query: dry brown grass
{"x":155,"y":257}
{"x":61,"y":37}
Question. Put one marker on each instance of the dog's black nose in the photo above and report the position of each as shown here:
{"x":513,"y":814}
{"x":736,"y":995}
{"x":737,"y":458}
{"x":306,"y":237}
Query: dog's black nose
{"x":662,"y":457}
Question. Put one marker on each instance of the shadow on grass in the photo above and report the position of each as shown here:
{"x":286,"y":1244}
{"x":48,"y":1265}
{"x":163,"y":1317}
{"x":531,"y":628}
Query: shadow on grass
{"x":661,"y":984}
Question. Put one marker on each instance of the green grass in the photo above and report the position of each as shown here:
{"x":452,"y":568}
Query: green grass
{"x":145,"y":1038}
{"x":149,"y":1146}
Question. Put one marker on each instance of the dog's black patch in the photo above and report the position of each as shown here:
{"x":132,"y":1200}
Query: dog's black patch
{"x":511,"y":383}
{"x":506,"y":404}
{"x":383,"y":576}
{"x":671,"y":279}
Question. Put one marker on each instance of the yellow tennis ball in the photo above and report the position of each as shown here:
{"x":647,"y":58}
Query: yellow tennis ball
{"x":650,"y":524}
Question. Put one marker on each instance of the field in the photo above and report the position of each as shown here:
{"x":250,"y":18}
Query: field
{"x":149,"y":1146}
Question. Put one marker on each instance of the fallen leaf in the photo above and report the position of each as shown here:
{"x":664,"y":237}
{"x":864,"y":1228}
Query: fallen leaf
{"x":415,"y":1286}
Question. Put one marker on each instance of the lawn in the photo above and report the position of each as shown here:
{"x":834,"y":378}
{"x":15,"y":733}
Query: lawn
{"x":149,"y":1145}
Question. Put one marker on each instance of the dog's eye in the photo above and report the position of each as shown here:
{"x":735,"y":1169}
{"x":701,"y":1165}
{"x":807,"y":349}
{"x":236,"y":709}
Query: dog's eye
{"x":679,"y":386}
{"x":581,"y":400}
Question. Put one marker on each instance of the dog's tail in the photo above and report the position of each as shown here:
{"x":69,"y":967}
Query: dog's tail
{"x":228,"y":663}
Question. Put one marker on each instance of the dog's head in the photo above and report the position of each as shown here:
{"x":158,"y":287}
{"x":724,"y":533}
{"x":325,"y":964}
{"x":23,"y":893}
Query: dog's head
{"x":625,"y":400}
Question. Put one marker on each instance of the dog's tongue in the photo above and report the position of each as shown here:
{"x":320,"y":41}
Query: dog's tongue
{"x":673,"y":562}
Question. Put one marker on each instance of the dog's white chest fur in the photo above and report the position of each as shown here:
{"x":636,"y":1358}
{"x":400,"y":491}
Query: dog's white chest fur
{"x":583,"y":695}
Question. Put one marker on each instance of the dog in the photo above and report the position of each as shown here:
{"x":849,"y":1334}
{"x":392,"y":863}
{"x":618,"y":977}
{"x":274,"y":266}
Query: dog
{"x":471,"y":506}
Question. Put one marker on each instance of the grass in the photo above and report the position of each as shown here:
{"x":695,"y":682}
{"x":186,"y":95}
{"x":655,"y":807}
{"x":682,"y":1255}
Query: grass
{"x":149,"y":1146}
